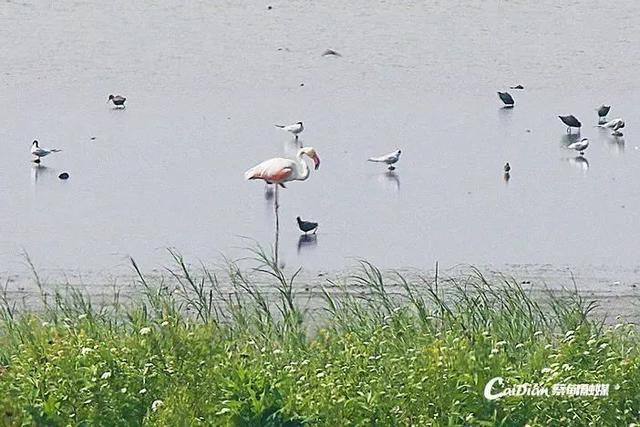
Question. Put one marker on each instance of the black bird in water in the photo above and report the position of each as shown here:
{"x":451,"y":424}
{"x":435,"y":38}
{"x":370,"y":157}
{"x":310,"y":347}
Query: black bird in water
{"x":330,"y":52}
{"x":307,"y":226}
{"x":518,"y":87}
{"x":117,"y":100}
{"x":507,"y":168}
{"x":571,"y":121}
{"x":506,"y":98}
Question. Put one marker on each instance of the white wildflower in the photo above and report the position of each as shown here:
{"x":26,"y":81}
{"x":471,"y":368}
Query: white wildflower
{"x":82,"y":316}
{"x":106,"y":375}
{"x":143,"y":391}
{"x":85,"y":350}
{"x":145,"y":331}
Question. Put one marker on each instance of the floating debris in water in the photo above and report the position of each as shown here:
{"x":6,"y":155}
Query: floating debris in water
{"x":93,"y":138}
{"x":301,"y":84}
{"x":520,"y":87}
{"x":269,"y":7}
{"x":63,"y":175}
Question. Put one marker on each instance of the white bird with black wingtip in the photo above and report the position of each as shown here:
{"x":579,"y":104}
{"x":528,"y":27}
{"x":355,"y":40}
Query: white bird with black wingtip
{"x":295,"y":128}
{"x":390,"y":159}
{"x":579,"y":146}
{"x":40,"y":152}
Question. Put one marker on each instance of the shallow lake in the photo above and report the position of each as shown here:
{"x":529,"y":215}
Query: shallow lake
{"x":205,"y":84}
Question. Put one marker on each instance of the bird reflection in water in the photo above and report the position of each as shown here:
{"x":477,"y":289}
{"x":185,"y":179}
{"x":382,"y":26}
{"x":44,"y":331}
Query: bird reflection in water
{"x":506,"y":177}
{"x":268,"y":192}
{"x":579,"y":162}
{"x":616,"y":144}
{"x":38,"y":171}
{"x":392,"y":177}
{"x":307,"y":241}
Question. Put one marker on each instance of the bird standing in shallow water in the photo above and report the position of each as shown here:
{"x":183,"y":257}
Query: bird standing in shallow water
{"x":506,"y":98}
{"x":571,"y":121}
{"x":117,"y":100}
{"x":295,"y":128}
{"x":389,"y":159}
{"x":41,"y":152}
{"x":507,"y":168}
{"x":603,"y":110}
{"x":580,"y":146}
{"x":614,"y":124}
{"x":307,"y":226}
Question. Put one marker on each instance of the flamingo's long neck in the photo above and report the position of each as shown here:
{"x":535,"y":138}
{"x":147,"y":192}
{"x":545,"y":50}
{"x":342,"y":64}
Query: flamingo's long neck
{"x":303,"y":169}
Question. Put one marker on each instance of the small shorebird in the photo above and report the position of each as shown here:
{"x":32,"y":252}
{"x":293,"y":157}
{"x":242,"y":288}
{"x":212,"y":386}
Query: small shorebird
{"x":307,"y":226}
{"x":615,"y":125}
{"x":295,"y":128}
{"x":389,"y":159}
{"x":579,"y":146}
{"x":117,"y":100}
{"x":571,"y":121}
{"x":603,"y":110}
{"x":330,"y":52}
{"x":507,"y":168}
{"x":506,"y":98}
{"x":41,"y":152}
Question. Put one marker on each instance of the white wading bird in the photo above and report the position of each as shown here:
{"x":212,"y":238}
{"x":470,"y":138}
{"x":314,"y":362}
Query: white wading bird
{"x":389,"y":159}
{"x":295,"y":128}
{"x":615,"y":125}
{"x":579,"y":145}
{"x":41,"y":152}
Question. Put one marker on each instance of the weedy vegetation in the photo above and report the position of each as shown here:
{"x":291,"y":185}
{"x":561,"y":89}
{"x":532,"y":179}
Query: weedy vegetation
{"x":249,"y":354}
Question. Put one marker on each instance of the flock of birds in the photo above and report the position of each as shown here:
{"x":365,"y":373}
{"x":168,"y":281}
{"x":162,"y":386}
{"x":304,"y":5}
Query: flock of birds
{"x":277,"y":171}
{"x":571,"y":122}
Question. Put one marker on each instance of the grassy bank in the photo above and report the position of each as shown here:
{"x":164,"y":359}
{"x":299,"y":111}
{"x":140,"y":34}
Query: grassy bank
{"x":195,"y":355}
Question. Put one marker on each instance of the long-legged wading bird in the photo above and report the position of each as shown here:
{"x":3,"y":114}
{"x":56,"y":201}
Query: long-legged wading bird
{"x":307,"y":226}
{"x":389,"y":159}
{"x":571,"y":121}
{"x":295,"y":128}
{"x":603,"y":110}
{"x":506,"y":98}
{"x":39,"y":152}
{"x":278,"y":171}
{"x":117,"y":100}
{"x":579,"y":146}
{"x":615,"y":125}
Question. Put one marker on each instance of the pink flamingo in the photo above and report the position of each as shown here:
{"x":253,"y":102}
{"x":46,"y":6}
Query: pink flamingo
{"x":278,"y":170}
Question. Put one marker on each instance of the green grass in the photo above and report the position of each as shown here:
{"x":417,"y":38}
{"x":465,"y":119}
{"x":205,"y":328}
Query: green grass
{"x":196,"y":355}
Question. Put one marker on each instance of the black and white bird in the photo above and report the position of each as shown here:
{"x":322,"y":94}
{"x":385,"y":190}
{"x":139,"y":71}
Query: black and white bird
{"x":507,"y":168}
{"x":571,"y":121}
{"x":603,"y":110}
{"x":307,"y":226}
{"x":389,"y":159}
{"x":117,"y":100}
{"x":295,"y":128}
{"x":614,"y":125}
{"x":39,"y":152}
{"x":579,"y":146}
{"x":506,"y":98}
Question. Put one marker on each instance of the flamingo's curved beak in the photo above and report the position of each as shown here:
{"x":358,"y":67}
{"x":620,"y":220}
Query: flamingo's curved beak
{"x":316,"y":160}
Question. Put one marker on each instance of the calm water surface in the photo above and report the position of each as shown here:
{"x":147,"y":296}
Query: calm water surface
{"x":206,"y":82}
